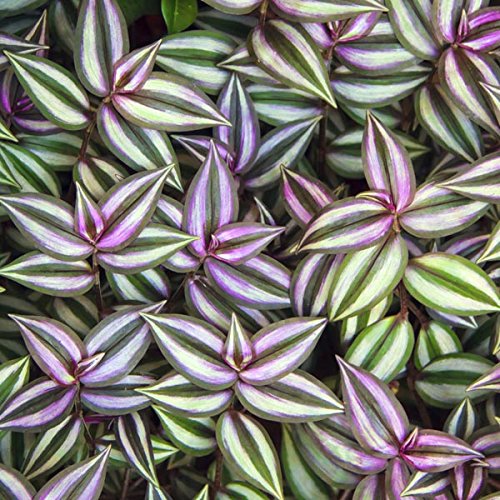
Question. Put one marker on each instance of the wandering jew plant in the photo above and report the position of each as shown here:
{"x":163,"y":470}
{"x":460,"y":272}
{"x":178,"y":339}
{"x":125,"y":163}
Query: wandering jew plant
{"x":249,"y":249}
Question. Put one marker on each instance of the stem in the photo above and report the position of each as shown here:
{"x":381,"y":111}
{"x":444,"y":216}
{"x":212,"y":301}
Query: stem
{"x":422,"y":409}
{"x":86,"y":137}
{"x":98,"y":291}
{"x":126,"y":482}
{"x":263,"y":12}
{"x":494,"y":483}
{"x":219,"y":461}
{"x":403,"y":298}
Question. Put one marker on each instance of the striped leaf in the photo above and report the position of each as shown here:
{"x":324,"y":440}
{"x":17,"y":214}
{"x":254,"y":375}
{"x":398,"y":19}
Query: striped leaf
{"x":118,"y":398}
{"x":437,"y":212}
{"x":468,"y":481}
{"x":378,"y":420}
{"x":13,"y":43}
{"x":84,"y":480}
{"x":304,"y":196}
{"x":451,"y":284}
{"x":54,"y":347}
{"x":299,"y":476}
{"x":138,"y":147}
{"x":196,"y":55}
{"x":240,"y":489}
{"x":178,"y":396}
{"x":334,"y":438}
{"x":296,"y":397}
{"x":463,"y":420}
{"x":248,"y":449}
{"x":79,"y":313}
{"x":365,"y":278}
{"x":128,"y":207}
{"x":435,"y":339}
{"x":493,"y":94}
{"x":101,"y":40}
{"x":236,"y":243}
{"x":48,"y":223}
{"x":122,"y":338}
{"x":411,"y":21}
{"x":310,"y":11}
{"x":14,"y":485}
{"x":13,"y":375}
{"x":288,"y":54}
{"x":89,"y":222}
{"x":194,"y":348}
{"x":53,"y":448}
{"x":492,"y":248}
{"x":54,"y":90}
{"x":132,"y":433}
{"x":347,"y":225}
{"x":211,"y":201}
{"x":132,"y":70}
{"x":486,"y":441}
{"x":37,"y":406}
{"x":284,"y":145}
{"x":244,"y":136}
{"x":488,"y":381}
{"x":146,"y":287}
{"x":369,"y":487}
{"x":397,"y":476}
{"x":26,"y":171}
{"x":460,"y":72}
{"x":50,"y":276}
{"x":238,"y":350}
{"x":444,"y":381}
{"x":234,"y":6}
{"x":193,"y":436}
{"x":435,"y":451}
{"x":153,"y":246}
{"x":482,"y":26}
{"x":280,"y":348}
{"x":480,"y":181}
{"x":383,"y":348}
{"x":427,"y":483}
{"x":260,"y":283}
{"x":447,"y":125}
{"x":168,"y":102}
{"x":387,"y":164}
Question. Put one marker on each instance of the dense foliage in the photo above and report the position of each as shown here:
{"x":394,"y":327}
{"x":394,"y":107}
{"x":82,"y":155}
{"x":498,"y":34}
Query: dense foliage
{"x":290,"y":295}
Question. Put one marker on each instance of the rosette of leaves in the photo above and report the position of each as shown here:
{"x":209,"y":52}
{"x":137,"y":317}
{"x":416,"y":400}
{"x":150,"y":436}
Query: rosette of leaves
{"x":249,"y":249}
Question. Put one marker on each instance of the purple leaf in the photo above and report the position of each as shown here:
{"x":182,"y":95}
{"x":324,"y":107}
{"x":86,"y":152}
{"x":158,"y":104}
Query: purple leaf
{"x":238,"y":351}
{"x":89,"y":222}
{"x":489,"y":381}
{"x":14,"y":485}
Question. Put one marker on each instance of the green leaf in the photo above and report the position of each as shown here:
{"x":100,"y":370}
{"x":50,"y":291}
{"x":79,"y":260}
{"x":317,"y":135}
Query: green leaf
{"x":179,"y":14}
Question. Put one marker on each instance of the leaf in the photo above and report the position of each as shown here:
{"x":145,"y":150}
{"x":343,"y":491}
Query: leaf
{"x":248,"y":449}
{"x":346,"y":225}
{"x":238,"y":350}
{"x":260,"y":283}
{"x":387,"y":164}
{"x":296,"y":397}
{"x":128,"y":207}
{"x":280,"y":348}
{"x":377,"y":418}
{"x":148,"y":286}
{"x":89,"y":222}
{"x":118,"y":398}
{"x":463,"y":420}
{"x":451,"y":284}
{"x":14,"y":485}
{"x":84,"y":480}
{"x":179,"y":15}
{"x":437,"y":212}
{"x":13,"y":375}
{"x":168,"y":102}
{"x":289,"y":54}
{"x":435,"y":339}
{"x":132,"y":434}
{"x":53,"y":448}
{"x":435,"y":451}
{"x":54,"y":90}
{"x":444,"y":381}
{"x":79,"y":313}
{"x":480,"y":181}
{"x":101,"y":40}
{"x":178,"y":396}
{"x":365,"y":278}
{"x":193,"y":348}
{"x":48,"y":223}
{"x":153,"y":246}
{"x":194,"y":436}
{"x":447,"y":125}
{"x":55,"y":348}
{"x":304,"y":196}
{"x":427,"y":483}
{"x":492,"y":248}
{"x":283,"y":146}
{"x":323,"y":10}
{"x":211,"y":201}
{"x":50,"y":276}
{"x":234,"y":6}
{"x":37,"y":406}
{"x":139,"y":148}
{"x":122,"y":339}
{"x":488,"y":381}
{"x":482,"y":27}
{"x":236,"y":243}
{"x":383,"y":348}
{"x":244,"y":136}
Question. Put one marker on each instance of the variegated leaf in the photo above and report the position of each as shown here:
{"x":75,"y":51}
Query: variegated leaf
{"x":14,"y":485}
